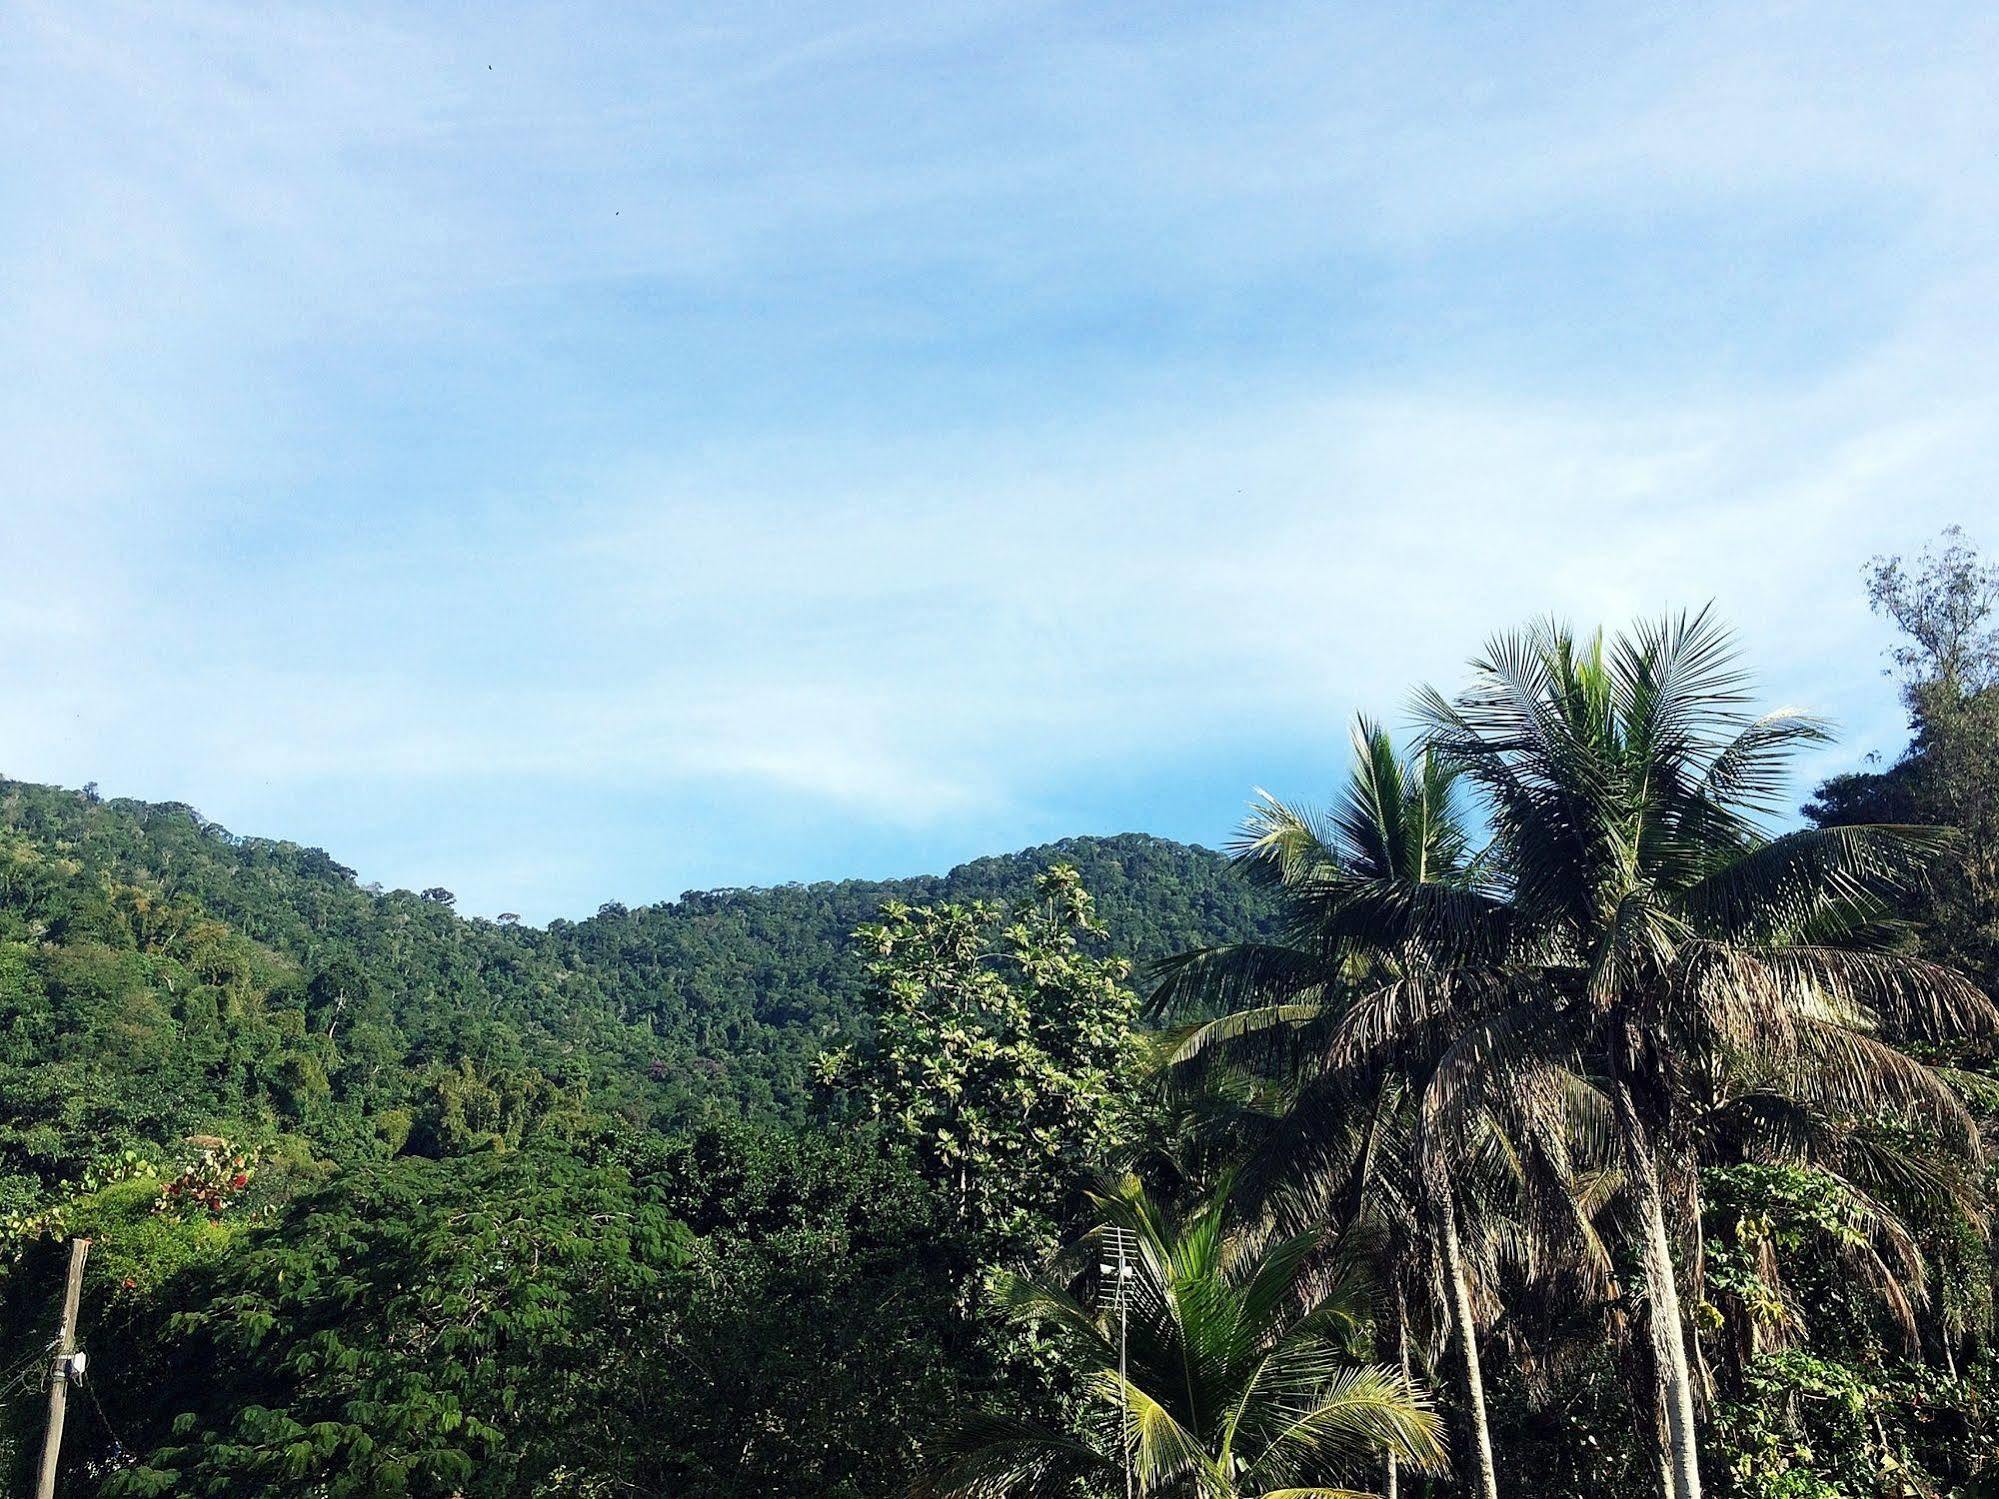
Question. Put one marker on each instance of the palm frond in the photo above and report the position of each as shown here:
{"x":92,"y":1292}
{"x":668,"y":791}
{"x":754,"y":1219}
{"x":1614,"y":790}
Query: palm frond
{"x":1361,"y":1411}
{"x":1270,"y":1026}
{"x":1283,"y":845}
{"x":1779,"y":889}
{"x":1209,"y":981}
{"x":993,"y":1456}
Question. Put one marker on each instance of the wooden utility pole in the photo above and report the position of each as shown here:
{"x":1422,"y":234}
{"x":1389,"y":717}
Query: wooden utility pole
{"x":59,"y":1373}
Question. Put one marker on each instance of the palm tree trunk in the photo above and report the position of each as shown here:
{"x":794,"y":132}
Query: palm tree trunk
{"x":1454,"y":1266}
{"x":1392,"y":1488}
{"x":1662,"y":1445}
{"x":1662,"y":1290}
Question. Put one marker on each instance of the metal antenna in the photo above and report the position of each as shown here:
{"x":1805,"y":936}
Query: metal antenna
{"x":1119,"y":1263}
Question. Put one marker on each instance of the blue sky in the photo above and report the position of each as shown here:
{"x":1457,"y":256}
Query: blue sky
{"x":570,"y":453}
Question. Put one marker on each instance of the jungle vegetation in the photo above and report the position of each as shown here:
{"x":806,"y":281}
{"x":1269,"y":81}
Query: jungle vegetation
{"x":1559,"y":1111}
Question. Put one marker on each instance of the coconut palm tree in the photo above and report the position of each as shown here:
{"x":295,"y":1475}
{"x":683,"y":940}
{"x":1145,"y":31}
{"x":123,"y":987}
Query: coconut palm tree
{"x":1630,"y":919}
{"x":1641,"y":921}
{"x":1433,"y":1242}
{"x":1223,"y":1370}
{"x":1350,"y":1147}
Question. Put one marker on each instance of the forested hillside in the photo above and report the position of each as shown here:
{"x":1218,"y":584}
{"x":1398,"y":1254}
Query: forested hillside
{"x":738,"y":988}
{"x":178,"y":974}
{"x":330,"y":1070}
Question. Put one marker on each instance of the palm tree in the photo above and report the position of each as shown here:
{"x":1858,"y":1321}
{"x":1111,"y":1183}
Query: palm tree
{"x":1641,"y":921}
{"x":1890,"y":1208}
{"x":1433,"y":1241}
{"x":1227,"y":1372}
{"x":1350,"y":1144}
{"x":1630,"y":920}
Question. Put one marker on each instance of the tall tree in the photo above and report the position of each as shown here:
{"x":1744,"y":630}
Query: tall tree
{"x":1945,"y":602}
{"x":1641,"y":919}
{"x":1352,"y":1145}
{"x":1001,"y":1051}
{"x":1632,"y":917}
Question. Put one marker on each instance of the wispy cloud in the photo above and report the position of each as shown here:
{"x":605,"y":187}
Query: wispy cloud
{"x":848,"y":439}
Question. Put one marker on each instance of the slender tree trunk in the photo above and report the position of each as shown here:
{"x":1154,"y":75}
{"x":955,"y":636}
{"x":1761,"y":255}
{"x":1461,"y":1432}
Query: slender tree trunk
{"x":1662,"y":1444}
{"x":1454,"y":1266}
{"x":1669,"y":1340}
{"x":1393,"y":1488}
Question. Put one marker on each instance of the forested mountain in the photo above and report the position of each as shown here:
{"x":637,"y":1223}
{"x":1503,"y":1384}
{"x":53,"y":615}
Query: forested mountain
{"x":739,"y":987}
{"x":159,"y":973}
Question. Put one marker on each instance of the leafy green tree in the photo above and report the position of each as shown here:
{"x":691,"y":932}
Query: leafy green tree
{"x":1231,"y":1372}
{"x":1002,"y":1052}
{"x":1946,"y":604}
{"x":480,"y":1326}
{"x":819,"y":1327}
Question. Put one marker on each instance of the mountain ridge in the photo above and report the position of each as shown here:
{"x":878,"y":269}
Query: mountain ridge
{"x":386,"y":1016}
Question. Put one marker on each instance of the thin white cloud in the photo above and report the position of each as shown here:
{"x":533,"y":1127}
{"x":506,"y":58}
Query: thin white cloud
{"x":286,"y":288}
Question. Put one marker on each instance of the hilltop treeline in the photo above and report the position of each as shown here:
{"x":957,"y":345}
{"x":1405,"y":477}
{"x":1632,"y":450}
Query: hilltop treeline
{"x":257,"y":982}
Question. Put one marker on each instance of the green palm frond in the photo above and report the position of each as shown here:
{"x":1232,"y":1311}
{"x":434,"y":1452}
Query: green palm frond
{"x":1271,"y":1027}
{"x":1164,"y":1453}
{"x":1360,"y":1411}
{"x":1209,"y":981}
{"x":1283,"y":845}
{"x":1780,"y":888}
{"x":1753,"y":771}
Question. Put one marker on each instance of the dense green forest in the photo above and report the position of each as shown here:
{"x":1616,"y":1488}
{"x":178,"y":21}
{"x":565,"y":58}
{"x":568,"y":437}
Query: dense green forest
{"x":289,"y":993}
{"x":1550,"y":1114}
{"x":162,"y":979}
